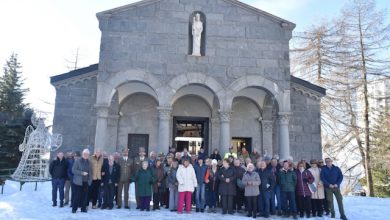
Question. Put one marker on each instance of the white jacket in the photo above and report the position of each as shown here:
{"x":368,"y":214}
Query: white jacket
{"x":186,"y":178}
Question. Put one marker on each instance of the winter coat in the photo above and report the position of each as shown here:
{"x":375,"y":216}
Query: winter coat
{"x":216,"y":157}
{"x":172,"y":180}
{"x":144,"y":180}
{"x":186,"y":178}
{"x":58,"y":169}
{"x":69,"y":170}
{"x":159,"y":178}
{"x":212,"y":177}
{"x":274,"y":172}
{"x":227,"y":188}
{"x":287,"y":180}
{"x":331,"y":175}
{"x":126,"y":168}
{"x":320,"y":193}
{"x":202,"y":155}
{"x":254,"y":157}
{"x":267,"y":179}
{"x":252,"y":189}
{"x":245,"y":155}
{"x":303,"y":179}
{"x":96,"y":166}
{"x":228,"y":154}
{"x":112,"y":177}
{"x":200,"y":172}
{"x":81,"y":165}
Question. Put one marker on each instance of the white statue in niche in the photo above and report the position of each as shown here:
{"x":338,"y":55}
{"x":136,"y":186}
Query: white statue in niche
{"x":197,"y":29}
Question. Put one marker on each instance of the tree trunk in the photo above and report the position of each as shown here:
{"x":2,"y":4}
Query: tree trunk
{"x":366,"y":116}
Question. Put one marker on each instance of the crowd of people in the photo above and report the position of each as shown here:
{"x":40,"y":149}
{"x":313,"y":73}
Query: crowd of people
{"x":243,"y":182}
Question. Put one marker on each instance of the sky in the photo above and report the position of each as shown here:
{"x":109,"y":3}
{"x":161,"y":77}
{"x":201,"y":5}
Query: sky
{"x":47,"y":33}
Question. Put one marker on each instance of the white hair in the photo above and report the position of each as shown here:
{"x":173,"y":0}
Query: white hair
{"x":86,"y":151}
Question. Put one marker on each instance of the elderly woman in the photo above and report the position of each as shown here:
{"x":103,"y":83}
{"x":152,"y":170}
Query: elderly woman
{"x":227,"y":186}
{"x":144,"y":180}
{"x":251,"y":180}
{"x":304,"y":177}
{"x":317,"y":197}
{"x":211,"y":180}
{"x":187,"y":183}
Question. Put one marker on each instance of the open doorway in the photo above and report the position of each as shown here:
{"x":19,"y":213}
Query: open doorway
{"x":239,"y":142}
{"x":191,"y":133}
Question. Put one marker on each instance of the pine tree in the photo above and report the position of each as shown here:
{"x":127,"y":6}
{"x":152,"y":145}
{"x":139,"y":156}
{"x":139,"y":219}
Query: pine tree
{"x":12,"y":93}
{"x":380,"y":156}
{"x":14,"y":114}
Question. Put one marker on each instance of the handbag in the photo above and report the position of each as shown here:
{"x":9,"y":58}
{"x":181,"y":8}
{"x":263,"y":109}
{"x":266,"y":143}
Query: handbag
{"x":312,"y":187}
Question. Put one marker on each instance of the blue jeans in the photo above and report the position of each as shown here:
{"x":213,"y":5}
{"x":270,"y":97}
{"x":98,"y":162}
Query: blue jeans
{"x":288,"y":202}
{"x":57,"y":185}
{"x":200,"y":200}
{"x":276,"y":193}
{"x":264,"y":201}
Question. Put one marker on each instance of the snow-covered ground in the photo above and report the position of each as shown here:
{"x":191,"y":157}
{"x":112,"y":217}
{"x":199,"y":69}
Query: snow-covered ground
{"x":30,"y":204}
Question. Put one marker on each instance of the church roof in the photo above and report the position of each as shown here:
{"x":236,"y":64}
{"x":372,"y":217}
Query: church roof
{"x":308,"y":85}
{"x":235,"y":2}
{"x":73,"y":73}
{"x":94,"y":67}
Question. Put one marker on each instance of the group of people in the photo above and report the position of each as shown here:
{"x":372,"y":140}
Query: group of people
{"x":237,"y":183}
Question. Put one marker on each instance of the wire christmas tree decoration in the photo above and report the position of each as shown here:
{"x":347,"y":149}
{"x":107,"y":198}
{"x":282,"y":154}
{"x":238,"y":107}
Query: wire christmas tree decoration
{"x":36,"y":147}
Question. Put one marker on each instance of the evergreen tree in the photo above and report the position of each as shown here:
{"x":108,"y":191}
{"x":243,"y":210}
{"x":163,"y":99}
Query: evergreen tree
{"x":380,"y":154}
{"x":14,"y":114}
{"x":11,"y":92}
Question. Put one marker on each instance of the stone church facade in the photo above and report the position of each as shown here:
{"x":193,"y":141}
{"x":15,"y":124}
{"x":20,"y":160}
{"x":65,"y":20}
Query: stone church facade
{"x":149,"y":90}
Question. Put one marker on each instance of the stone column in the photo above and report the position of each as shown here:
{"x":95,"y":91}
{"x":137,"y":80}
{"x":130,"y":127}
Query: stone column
{"x":267,"y":128}
{"x":225,"y":132}
{"x":164,"y":115}
{"x":284,"y":137}
{"x":101,"y":127}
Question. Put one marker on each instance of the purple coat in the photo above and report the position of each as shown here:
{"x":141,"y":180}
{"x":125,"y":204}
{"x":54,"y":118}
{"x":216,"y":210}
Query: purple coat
{"x":303,"y":179}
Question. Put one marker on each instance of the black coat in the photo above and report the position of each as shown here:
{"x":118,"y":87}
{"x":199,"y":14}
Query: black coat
{"x":216,"y":156}
{"x":227,"y":188}
{"x":58,"y":169}
{"x":114,"y":176}
{"x":266,"y":178}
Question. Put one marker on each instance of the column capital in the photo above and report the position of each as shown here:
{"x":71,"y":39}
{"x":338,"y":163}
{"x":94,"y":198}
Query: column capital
{"x":284,"y":118}
{"x":102,"y":111}
{"x":267,"y":125}
{"x":164,"y":112}
{"x":225,"y":116}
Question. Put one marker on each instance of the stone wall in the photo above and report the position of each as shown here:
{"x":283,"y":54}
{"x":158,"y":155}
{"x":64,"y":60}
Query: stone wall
{"x":245,"y":121}
{"x":154,"y":38}
{"x":75,"y":115}
{"x":305,"y":127}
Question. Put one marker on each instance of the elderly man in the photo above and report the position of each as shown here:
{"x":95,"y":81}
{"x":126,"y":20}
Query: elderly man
{"x":126,"y":173}
{"x":82,"y":178}
{"x":110,"y":180}
{"x":332,"y":177}
{"x":58,"y":172}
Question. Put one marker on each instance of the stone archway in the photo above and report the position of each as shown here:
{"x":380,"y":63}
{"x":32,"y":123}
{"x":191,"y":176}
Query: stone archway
{"x":107,"y":89}
{"x":281,"y":97}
